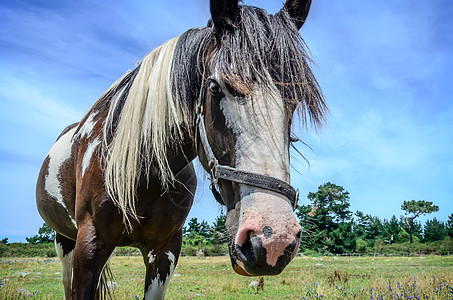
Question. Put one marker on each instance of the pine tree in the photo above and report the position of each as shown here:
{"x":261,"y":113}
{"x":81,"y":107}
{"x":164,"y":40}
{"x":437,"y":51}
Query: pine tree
{"x":449,"y":226}
{"x":45,"y":235}
{"x":368,"y":228}
{"x":415,"y":209}
{"x":391,"y":229}
{"x":196,"y":233}
{"x":327,"y":222}
{"x":434,"y":230}
{"x":219,"y":230}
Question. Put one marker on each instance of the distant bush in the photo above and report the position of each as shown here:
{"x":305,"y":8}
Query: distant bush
{"x":3,"y":248}
{"x":27,"y":250}
{"x":208,"y":250}
{"x":126,"y":251}
{"x":188,"y":250}
{"x":442,"y":247}
{"x":361,"y":246}
{"x":48,"y":250}
{"x":310,"y":252}
{"x":216,"y":250}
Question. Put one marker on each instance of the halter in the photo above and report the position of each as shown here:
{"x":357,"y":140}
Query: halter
{"x":218,"y":171}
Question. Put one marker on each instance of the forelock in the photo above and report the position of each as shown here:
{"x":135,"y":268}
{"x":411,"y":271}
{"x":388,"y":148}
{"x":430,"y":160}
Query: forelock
{"x":268,"y":50}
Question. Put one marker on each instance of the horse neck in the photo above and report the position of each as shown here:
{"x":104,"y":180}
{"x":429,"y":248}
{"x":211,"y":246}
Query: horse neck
{"x":180,"y":155}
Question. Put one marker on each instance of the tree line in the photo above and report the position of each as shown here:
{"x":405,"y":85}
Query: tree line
{"x":328,"y":226}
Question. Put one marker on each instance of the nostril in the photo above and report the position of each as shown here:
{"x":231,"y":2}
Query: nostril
{"x":291,"y":248}
{"x":243,"y":235}
{"x":252,"y":251}
{"x":245,"y":251}
{"x":259,"y":252}
{"x":299,"y":234}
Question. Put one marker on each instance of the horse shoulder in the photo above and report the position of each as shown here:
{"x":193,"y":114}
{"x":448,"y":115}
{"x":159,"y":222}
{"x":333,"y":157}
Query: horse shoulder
{"x":55,"y":187}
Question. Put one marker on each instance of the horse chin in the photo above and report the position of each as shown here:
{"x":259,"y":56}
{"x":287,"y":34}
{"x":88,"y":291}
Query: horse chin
{"x":256,"y":264}
{"x":258,"y":269}
{"x":238,"y":269}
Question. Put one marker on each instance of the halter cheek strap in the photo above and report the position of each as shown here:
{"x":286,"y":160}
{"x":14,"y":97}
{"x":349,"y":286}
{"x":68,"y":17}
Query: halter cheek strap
{"x":218,"y":171}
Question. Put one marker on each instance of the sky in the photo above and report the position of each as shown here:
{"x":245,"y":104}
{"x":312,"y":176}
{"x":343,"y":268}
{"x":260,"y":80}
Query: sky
{"x":384,"y":67}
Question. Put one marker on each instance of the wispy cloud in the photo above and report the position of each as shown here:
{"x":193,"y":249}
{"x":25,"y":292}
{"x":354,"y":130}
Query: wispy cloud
{"x":385,"y":72}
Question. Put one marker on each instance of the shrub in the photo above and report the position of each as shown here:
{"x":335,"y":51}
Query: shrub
{"x":442,"y":247}
{"x":361,"y":246}
{"x":310,"y":252}
{"x":188,"y":250}
{"x":3,"y":248}
{"x":208,"y":250}
{"x":126,"y":251}
{"x":402,"y":236}
{"x":216,"y":250}
{"x":27,"y":250}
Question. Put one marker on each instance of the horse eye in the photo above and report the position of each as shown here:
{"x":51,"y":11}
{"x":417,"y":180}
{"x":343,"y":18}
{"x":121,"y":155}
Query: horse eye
{"x":214,"y":88}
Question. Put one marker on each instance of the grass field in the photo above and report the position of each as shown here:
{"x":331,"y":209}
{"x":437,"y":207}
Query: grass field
{"x":429,"y":277}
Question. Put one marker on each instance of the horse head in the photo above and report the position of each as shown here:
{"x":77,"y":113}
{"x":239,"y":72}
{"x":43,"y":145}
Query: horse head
{"x":255,"y":77}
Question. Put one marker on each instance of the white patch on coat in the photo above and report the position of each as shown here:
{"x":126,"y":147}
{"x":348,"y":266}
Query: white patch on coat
{"x":58,"y":154}
{"x":87,"y":126}
{"x":158,"y":286}
{"x":66,"y":261}
{"x":88,"y":154}
{"x":171,"y":259}
{"x":261,"y":129}
{"x":151,"y":257}
{"x":156,"y":289}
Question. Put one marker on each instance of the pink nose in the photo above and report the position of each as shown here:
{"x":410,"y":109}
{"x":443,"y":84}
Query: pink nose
{"x":266,"y":250}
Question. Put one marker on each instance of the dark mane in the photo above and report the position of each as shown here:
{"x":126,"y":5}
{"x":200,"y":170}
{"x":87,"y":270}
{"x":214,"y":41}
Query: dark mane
{"x":260,"y":48}
{"x":188,"y":64}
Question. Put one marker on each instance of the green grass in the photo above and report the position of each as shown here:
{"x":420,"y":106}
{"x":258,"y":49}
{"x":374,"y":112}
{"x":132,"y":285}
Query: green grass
{"x":213,"y":278}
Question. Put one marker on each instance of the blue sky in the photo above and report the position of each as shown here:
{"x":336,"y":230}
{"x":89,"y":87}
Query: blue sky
{"x":384,"y":66}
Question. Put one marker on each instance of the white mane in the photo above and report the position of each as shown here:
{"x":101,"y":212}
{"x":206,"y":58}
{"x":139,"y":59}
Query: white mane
{"x":149,"y":118}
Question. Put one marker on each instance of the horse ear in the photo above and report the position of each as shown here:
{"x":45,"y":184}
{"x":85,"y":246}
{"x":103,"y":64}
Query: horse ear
{"x":224,"y":14}
{"x":298,"y":11}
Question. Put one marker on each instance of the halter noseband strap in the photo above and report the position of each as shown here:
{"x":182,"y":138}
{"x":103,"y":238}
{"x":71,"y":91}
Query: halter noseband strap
{"x":218,"y":171}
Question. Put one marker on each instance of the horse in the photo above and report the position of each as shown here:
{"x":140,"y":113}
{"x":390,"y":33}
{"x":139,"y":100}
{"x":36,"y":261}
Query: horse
{"x":226,"y":93}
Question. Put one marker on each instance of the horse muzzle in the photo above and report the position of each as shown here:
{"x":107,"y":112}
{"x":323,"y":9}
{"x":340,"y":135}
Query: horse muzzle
{"x":254,"y":259}
{"x":264,"y":245}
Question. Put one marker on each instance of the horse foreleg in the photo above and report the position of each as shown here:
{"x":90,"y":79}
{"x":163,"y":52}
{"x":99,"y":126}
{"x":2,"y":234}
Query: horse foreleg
{"x":160,"y":265}
{"x":91,"y":254}
{"x":65,"y":252}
